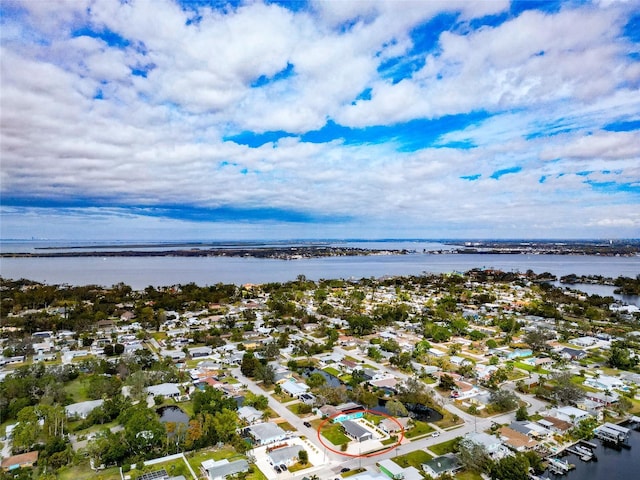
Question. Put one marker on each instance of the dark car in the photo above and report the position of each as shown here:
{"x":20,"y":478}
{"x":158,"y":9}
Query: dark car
{"x":307,"y":424}
{"x":276,"y":468}
{"x":345,"y":469}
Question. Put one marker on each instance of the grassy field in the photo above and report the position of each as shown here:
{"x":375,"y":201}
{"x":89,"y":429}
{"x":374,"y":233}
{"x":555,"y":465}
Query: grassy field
{"x":332,"y":371}
{"x":413,"y":459}
{"x":295,"y":408}
{"x":419,"y":430}
{"x":76,"y":389}
{"x":530,"y":368}
{"x":333,"y":433}
{"x":448,"y":419}
{"x":83,"y":472}
{"x":444,"y":447}
{"x":286,"y":426}
{"x":468,"y":475}
{"x":196,"y":458}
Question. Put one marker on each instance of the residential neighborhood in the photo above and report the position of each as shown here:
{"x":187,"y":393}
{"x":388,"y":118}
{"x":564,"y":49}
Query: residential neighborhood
{"x":434,"y":376}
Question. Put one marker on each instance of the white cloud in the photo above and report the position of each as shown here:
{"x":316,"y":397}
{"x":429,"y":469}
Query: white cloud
{"x":159,"y":140}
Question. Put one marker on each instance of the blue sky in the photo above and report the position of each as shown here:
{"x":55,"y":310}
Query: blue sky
{"x":159,"y":119}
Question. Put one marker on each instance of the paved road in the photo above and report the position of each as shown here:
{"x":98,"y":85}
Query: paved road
{"x":334,"y":462}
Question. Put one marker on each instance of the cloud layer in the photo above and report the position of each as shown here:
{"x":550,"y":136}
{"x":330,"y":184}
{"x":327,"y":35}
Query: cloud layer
{"x":264,"y":120}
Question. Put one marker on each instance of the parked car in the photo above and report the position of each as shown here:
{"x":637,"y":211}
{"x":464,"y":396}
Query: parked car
{"x":345,"y":469}
{"x":307,"y":424}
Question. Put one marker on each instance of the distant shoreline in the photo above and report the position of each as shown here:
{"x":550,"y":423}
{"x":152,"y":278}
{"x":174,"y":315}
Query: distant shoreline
{"x":282,"y":253}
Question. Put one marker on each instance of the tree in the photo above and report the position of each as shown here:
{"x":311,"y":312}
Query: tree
{"x":316,"y":380}
{"x":503,"y":400}
{"x":619,"y":357}
{"x":447,"y":383}
{"x":522,"y":414}
{"x":401,"y":360}
{"x":374,"y":354}
{"x":492,"y":344}
{"x":536,"y":339}
{"x":118,"y":349}
{"x":584,"y":429}
{"x":266,"y":373}
{"x":249,"y":364}
{"x":564,"y":390}
{"x":303,"y":456}
{"x":396,"y":408}
{"x":108,"y":350}
{"x":260,"y":402}
{"x":224,"y":424}
{"x":512,"y":467}
{"x":473,"y":456}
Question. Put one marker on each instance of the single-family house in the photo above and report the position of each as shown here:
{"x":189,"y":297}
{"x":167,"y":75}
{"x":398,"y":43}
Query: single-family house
{"x":570,"y":414}
{"x":441,"y":465}
{"x":492,"y":445}
{"x":583,"y":341}
{"x":516,"y":441}
{"x":394,"y":425}
{"x":82,"y":409}
{"x":293,"y":388}
{"x":605,"y":382}
{"x":221,"y":469}
{"x":394,"y":471}
{"x":572,"y":353}
{"x":287,"y":455}
{"x":266,"y":433}
{"x":169,"y":390}
{"x":250,"y":414}
{"x":356,"y":431}
{"x":555,"y":424}
{"x":24,"y":460}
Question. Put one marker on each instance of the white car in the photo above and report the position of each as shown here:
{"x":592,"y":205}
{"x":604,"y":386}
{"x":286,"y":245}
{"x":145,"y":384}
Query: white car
{"x":435,"y":434}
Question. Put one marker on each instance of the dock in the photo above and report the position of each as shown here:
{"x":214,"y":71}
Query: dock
{"x":559,"y":467}
{"x":610,"y":432}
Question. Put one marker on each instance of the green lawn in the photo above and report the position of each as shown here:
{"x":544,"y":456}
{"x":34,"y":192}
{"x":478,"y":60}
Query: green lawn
{"x":444,"y":447}
{"x":333,"y":433}
{"x":448,"y":419}
{"x":83,"y":472}
{"x":413,"y":459}
{"x":468,"y":475}
{"x":332,"y":371}
{"x":419,"y":430}
{"x":196,"y":458}
{"x":530,"y":368}
{"x":295,"y":408}
{"x":76,"y":389}
{"x":286,"y":426}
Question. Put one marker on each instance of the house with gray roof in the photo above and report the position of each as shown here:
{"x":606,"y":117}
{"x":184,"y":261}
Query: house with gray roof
{"x":169,"y":390}
{"x":265,"y":433}
{"x":82,"y":409}
{"x":221,"y":469}
{"x":356,"y":431}
{"x":438,"y":466}
{"x":285,"y":455}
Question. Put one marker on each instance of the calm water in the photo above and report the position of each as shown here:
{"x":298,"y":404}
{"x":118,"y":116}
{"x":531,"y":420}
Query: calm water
{"x":140,"y":272}
{"x":612,"y":464}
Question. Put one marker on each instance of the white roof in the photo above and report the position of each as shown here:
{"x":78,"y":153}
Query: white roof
{"x":165,"y":389}
{"x":294,"y":388}
{"x":83,"y":408}
{"x":391,"y":466}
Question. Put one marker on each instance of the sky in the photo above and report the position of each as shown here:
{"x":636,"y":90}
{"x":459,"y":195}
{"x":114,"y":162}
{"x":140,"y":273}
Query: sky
{"x":214,"y":120}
